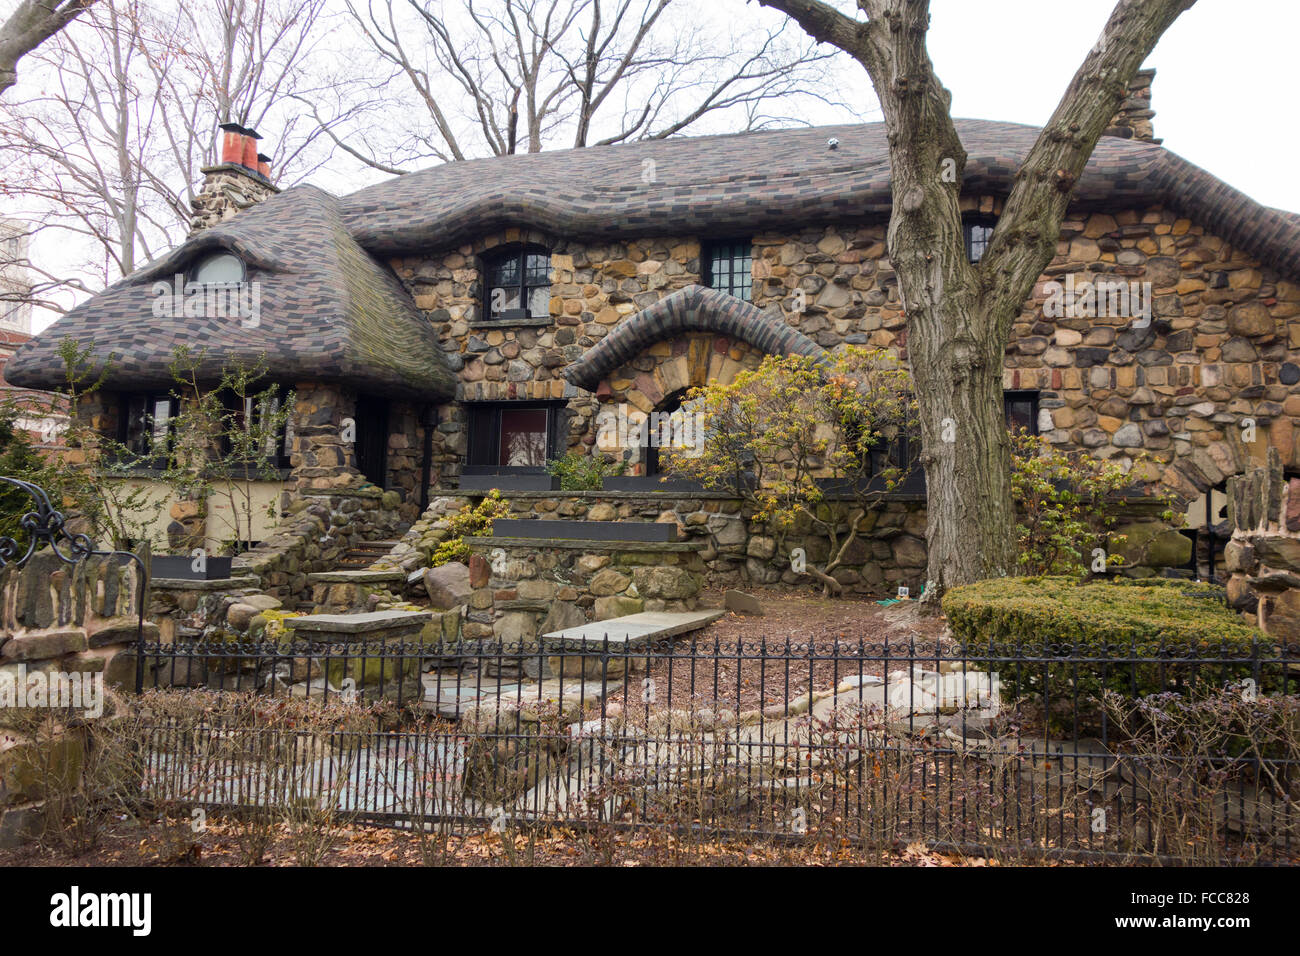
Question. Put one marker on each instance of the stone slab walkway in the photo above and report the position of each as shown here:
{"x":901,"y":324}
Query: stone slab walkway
{"x":632,"y":630}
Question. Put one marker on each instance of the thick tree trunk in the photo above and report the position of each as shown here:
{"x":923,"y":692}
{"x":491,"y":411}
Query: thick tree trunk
{"x":959,"y":316}
{"x":966,"y":450}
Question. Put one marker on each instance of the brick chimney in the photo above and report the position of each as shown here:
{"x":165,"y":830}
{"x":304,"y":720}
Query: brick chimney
{"x":1133,"y":121}
{"x":240,"y":179}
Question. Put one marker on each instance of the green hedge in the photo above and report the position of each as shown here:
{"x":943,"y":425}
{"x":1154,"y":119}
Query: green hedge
{"x":1054,"y":618}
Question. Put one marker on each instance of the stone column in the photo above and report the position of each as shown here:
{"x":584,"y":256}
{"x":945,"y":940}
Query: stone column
{"x":322,"y":459}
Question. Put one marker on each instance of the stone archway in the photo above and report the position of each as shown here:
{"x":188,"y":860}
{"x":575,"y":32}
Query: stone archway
{"x":692,"y":312}
{"x":688,"y":339}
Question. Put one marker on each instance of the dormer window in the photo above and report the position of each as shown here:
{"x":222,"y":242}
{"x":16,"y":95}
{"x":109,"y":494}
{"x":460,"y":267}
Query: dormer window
{"x":222,"y":268}
{"x":517,"y":284}
{"x":977,"y":231}
{"x":728,"y":267}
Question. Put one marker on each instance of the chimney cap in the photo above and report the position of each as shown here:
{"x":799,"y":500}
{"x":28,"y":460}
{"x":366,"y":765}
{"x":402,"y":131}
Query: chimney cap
{"x":252,"y":132}
{"x":232,"y":128}
{"x":262,"y":157}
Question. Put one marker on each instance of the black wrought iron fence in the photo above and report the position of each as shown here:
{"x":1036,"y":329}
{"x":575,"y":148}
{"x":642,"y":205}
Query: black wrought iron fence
{"x":1187,"y":754}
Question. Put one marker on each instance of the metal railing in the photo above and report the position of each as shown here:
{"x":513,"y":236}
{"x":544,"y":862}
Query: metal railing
{"x":1183,"y":754}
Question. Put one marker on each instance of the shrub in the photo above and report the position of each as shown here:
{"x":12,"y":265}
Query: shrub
{"x":1065,"y":502}
{"x":1108,"y":623}
{"x":579,"y":472}
{"x":472,"y":521}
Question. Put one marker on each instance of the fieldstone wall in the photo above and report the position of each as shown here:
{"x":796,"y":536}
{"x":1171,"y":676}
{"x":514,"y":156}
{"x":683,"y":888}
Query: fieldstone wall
{"x":319,"y":528}
{"x":520,"y":590}
{"x":733,"y":550}
{"x":594,"y":287}
{"x":1221,"y":351}
{"x":78,"y":618}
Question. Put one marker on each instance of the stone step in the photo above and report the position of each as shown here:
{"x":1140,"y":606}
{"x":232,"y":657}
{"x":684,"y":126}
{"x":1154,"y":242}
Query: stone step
{"x":632,"y":630}
{"x":366,"y":626}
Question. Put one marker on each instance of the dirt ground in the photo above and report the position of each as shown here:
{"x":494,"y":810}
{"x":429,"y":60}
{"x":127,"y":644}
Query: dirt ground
{"x":128,"y":844}
{"x":741,"y":662}
{"x":803,"y":618}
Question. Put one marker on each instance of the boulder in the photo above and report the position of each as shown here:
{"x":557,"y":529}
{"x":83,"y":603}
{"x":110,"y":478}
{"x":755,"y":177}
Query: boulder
{"x":1278,"y":552}
{"x":448,"y":584}
{"x":562,"y":615}
{"x":33,"y":647}
{"x":665,"y":582}
{"x":742,"y":603}
{"x":909,"y":552}
{"x":617,"y":606}
{"x":608,"y":582}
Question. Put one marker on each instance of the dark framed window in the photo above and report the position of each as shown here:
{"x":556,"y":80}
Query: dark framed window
{"x":249,"y":412}
{"x":977,"y":231}
{"x":145,"y":423}
{"x":727,"y":265}
{"x":513,"y":435}
{"x":1021,"y":410}
{"x":517,"y":283}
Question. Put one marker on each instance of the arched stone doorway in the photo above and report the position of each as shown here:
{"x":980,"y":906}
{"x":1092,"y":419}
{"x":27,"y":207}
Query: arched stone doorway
{"x":649,"y":362}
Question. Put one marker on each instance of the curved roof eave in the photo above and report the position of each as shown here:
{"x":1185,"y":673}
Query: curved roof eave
{"x":770,"y":180}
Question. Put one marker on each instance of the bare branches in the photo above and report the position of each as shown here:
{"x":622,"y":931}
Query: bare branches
{"x":105,"y":160}
{"x":34,"y":22}
{"x":496,"y":76}
{"x":1025,"y":237}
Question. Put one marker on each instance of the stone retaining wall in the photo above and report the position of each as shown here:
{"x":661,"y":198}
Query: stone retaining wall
{"x":319,"y":529}
{"x":63,"y":628}
{"x":71,"y":618}
{"x":523,"y":587}
{"x":736,"y":551}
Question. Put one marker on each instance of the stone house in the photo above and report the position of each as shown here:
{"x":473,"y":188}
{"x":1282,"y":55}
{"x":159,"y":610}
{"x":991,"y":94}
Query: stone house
{"x":460,"y":327}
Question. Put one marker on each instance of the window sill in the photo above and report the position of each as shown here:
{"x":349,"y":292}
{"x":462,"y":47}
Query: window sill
{"x":512,"y":323}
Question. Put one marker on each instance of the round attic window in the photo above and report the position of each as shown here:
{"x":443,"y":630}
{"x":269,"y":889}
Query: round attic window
{"x":218,"y":269}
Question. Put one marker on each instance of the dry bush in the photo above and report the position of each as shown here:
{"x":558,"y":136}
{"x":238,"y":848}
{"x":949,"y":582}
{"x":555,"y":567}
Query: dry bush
{"x":79,"y":769}
{"x":1219,"y":772}
{"x":261,"y":759}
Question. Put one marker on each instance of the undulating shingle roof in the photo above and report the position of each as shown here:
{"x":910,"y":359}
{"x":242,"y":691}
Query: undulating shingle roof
{"x":331,"y":311}
{"x":328,"y":312}
{"x":746,"y":182}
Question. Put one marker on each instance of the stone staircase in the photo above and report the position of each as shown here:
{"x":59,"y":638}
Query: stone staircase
{"x":364,"y":554}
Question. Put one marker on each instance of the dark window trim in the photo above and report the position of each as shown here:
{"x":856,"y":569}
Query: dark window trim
{"x":708,"y":249}
{"x":479,"y":446}
{"x":968,"y":224}
{"x":520,"y":251}
{"x":1010,"y":396}
{"x":147,"y":458}
{"x":284,"y":442}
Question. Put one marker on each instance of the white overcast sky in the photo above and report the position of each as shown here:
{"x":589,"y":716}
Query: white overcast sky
{"x":1223,"y":94}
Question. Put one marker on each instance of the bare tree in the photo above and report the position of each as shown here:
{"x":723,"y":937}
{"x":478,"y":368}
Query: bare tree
{"x":34,"y":22}
{"x":109,"y":154}
{"x":509,"y":76}
{"x":959,"y":314}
